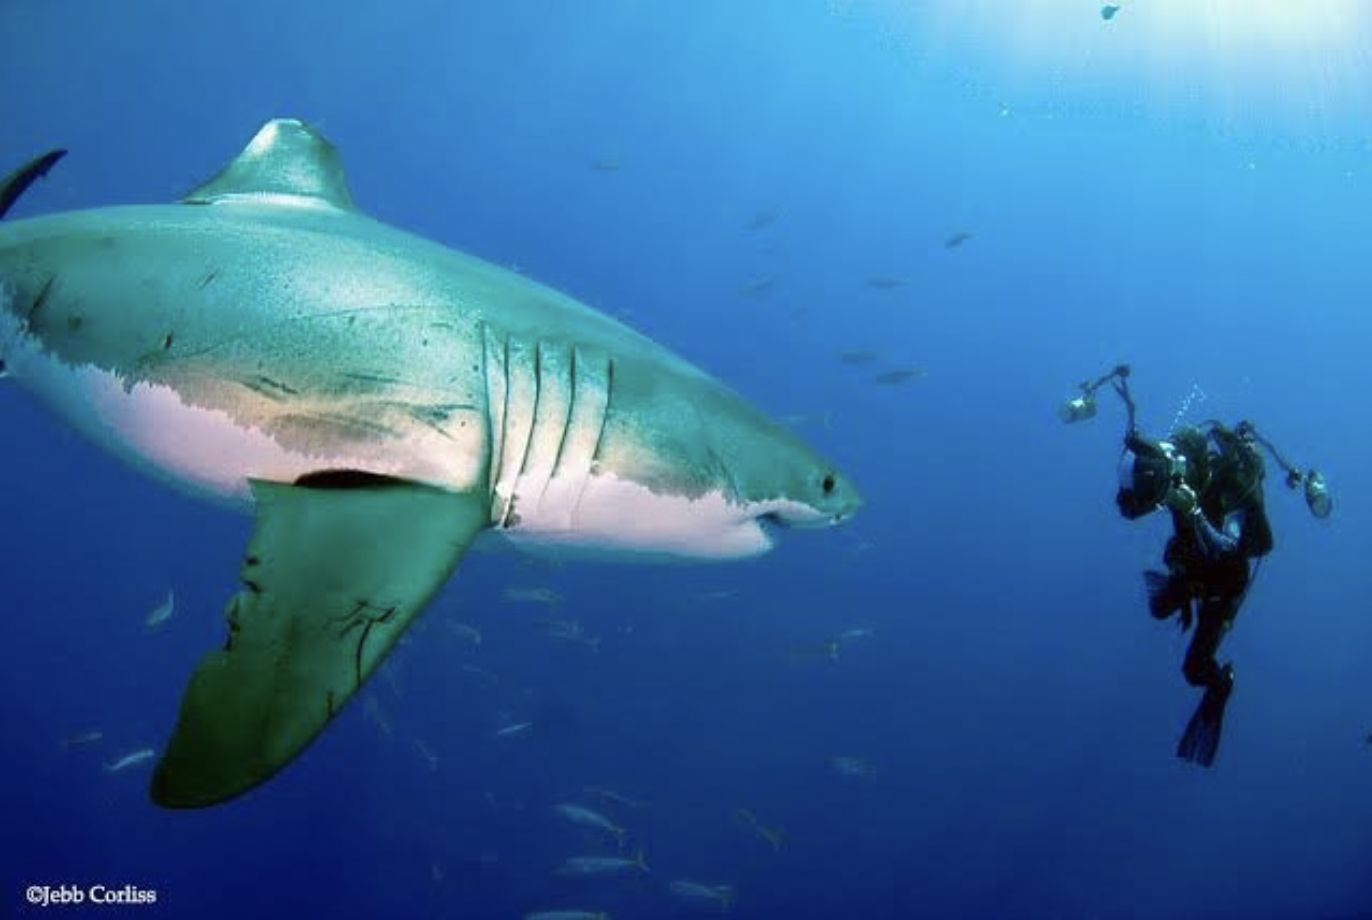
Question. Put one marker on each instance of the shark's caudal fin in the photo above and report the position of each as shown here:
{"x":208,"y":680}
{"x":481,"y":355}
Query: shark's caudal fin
{"x":338,"y":566}
{"x":16,"y":183}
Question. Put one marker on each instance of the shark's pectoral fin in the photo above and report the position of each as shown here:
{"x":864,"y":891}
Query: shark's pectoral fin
{"x":336,"y":569}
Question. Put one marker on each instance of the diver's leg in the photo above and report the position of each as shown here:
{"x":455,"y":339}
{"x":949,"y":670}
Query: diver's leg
{"x":1201,"y":740}
{"x":1200,"y":667}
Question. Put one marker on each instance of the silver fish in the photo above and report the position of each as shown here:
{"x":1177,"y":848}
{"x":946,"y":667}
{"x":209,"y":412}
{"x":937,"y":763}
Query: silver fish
{"x":585,"y":817}
{"x":596,"y":866}
{"x":133,"y":759}
{"x":162,"y":612}
{"x":722,"y":895}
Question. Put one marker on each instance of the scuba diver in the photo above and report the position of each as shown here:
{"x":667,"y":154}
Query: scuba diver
{"x":1210,"y":478}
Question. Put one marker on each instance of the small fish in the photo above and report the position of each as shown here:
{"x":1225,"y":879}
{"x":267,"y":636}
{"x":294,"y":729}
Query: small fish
{"x":606,"y":164}
{"x":850,"y":766}
{"x":590,"y":642}
{"x":568,"y":631}
{"x":956,"y":239}
{"x":390,"y":676}
{"x":582,"y":816}
{"x":551,"y":625}
{"x":797,"y":419}
{"x":546,"y":596}
{"x":515,"y":728}
{"x":722,"y":594}
{"x":464,"y":632}
{"x":481,"y":673}
{"x":848,"y":635}
{"x":1108,"y":11}
{"x":687,"y":890}
{"x":372,"y":708}
{"x":827,"y":650}
{"x":900,"y":375}
{"x":857,"y":356}
{"x":773,"y":835}
{"x":567,"y":915}
{"x":130,"y":760}
{"x":610,"y":797}
{"x":82,"y":739}
{"x":757,"y":286}
{"x":429,"y":756}
{"x":161,"y":613}
{"x":764,"y":218}
{"x":887,"y":282}
{"x":594,"y":866}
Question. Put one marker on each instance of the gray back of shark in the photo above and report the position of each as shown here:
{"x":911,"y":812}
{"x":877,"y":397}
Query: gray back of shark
{"x":377,"y":401}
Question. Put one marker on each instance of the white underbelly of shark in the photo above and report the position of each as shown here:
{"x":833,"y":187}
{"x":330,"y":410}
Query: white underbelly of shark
{"x":204,"y":452}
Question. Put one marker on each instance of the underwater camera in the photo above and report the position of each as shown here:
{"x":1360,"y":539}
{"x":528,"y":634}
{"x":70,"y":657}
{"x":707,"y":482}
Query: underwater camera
{"x":1081,"y":407}
{"x":1078,"y":409}
{"x":1314,"y":489}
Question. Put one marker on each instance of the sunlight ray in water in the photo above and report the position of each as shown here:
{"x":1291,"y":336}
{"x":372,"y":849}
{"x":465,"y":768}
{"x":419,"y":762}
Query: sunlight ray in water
{"x":1227,"y":57}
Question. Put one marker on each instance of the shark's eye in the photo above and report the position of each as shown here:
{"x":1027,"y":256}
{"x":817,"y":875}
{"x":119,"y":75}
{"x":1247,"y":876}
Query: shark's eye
{"x":828,"y":484}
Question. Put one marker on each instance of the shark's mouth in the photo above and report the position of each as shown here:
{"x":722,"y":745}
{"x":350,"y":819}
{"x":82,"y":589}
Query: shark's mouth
{"x":788,"y":514}
{"x":771,"y":522}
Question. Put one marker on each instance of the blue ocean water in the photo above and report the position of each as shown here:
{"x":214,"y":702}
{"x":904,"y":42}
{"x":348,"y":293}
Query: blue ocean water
{"x":762,"y":187}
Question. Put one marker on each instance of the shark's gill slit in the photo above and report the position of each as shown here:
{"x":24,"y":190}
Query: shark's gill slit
{"x":605,"y":413}
{"x":521,"y":413}
{"x":495,"y":368}
{"x":568,"y":416}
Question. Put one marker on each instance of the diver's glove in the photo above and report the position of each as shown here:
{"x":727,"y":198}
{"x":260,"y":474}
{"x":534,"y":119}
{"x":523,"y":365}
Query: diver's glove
{"x":1182,"y":500}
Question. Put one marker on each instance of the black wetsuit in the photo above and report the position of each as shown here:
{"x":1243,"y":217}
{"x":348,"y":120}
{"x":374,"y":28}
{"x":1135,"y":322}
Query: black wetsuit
{"x":1208,"y":559}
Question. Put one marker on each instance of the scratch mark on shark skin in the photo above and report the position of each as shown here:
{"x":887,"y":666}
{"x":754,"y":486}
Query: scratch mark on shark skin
{"x":363,"y":377}
{"x":271,"y":389}
{"x":41,"y":299}
{"x":272,"y":329}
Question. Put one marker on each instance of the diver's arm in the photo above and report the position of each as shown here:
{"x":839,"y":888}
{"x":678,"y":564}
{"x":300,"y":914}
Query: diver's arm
{"x":1214,"y":541}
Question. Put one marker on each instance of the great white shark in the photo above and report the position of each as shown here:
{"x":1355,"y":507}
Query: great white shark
{"x":377,"y":401}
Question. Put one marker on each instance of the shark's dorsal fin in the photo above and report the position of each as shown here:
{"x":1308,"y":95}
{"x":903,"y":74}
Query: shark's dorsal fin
{"x":286,"y":159}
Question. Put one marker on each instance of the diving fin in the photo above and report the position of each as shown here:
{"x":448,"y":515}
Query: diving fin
{"x":17,"y":183}
{"x":1201,"y":741}
{"x":337,"y":567}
